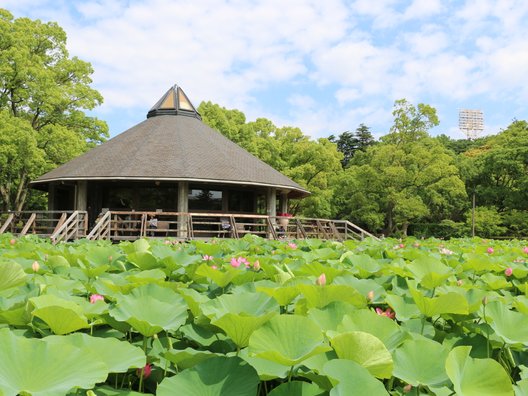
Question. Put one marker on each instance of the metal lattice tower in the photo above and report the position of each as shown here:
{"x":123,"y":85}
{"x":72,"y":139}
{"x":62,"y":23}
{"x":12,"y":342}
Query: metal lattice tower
{"x":471,"y":123}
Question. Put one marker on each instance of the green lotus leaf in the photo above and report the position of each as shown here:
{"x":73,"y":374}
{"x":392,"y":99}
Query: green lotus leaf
{"x":239,"y":327}
{"x":320,"y":296}
{"x":194,"y":300}
{"x":11,"y":275}
{"x":315,"y":269}
{"x":266,"y":369}
{"x":143,"y":260}
{"x":188,"y":357}
{"x":366,"y":350}
{"x":108,"y":391}
{"x":254,"y":304}
{"x":62,"y":316}
{"x":331,"y":316}
{"x":352,"y":379}
{"x":297,"y":388}
{"x":421,"y":362}
{"x":222,"y":277}
{"x":284,"y":295}
{"x":476,"y":377}
{"x":147,"y":276}
{"x":521,"y":388}
{"x":40,"y":368}
{"x":449,"y":303}
{"x":511,"y":326}
{"x":287,"y":340}
{"x":150,"y":309}
{"x":362,"y":264}
{"x":430,"y":272}
{"x":404,"y":307}
{"x":57,"y":261}
{"x":382,"y":327}
{"x":118,"y":356}
{"x":218,"y":376}
{"x":495,"y":282}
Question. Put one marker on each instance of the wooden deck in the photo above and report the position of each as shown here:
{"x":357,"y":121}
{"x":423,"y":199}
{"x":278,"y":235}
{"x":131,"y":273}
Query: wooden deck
{"x":131,"y":225}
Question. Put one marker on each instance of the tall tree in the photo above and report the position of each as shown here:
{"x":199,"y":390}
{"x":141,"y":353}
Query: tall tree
{"x":350,"y":142}
{"x":411,"y":122}
{"x":43,"y":93}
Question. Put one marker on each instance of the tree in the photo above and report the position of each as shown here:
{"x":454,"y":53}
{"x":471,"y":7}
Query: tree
{"x":409,"y":177}
{"x":43,"y":93}
{"x":348,"y":143}
{"x":411,"y":122}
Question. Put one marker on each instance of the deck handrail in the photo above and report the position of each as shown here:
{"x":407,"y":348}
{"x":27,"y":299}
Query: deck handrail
{"x":101,"y":230}
{"x":70,"y":227}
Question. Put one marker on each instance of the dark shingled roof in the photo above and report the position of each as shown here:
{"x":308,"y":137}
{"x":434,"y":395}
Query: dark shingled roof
{"x":172,"y":144}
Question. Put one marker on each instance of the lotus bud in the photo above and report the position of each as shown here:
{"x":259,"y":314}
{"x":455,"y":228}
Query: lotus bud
{"x":110,"y":258}
{"x":489,"y":250}
{"x":145,"y":371}
{"x":407,"y":388}
{"x":12,"y":241}
{"x":460,"y":282}
{"x":508,"y":271}
{"x":96,"y":297}
{"x":35,"y":266}
{"x":256,"y":265}
{"x":370,"y":295}
{"x":525,"y":250}
{"x":321,"y":280}
{"x":485,"y":300}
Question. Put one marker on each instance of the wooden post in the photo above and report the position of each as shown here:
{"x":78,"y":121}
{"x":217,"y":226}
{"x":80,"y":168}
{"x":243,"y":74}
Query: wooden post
{"x":284,"y":202}
{"x":183,"y":207}
{"x":81,"y":195}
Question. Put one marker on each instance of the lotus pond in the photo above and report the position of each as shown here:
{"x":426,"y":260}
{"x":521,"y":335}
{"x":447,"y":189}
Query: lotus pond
{"x":258,"y":317}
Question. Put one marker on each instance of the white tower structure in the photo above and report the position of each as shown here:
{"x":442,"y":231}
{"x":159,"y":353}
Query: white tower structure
{"x":471,"y":123}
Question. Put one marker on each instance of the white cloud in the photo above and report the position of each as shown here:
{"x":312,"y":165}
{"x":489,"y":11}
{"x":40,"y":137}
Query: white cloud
{"x":423,"y":9}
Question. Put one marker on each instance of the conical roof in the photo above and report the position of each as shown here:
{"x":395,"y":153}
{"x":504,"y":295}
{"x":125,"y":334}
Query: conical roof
{"x":172,"y":144}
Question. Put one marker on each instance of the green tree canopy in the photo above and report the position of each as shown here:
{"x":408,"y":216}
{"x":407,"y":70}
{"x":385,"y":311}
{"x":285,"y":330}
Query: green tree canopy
{"x":46,"y":91}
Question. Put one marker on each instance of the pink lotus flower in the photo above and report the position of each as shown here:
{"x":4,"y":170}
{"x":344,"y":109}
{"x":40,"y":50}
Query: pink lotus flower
{"x":146,"y":371}
{"x":12,"y":241}
{"x":256,"y":265}
{"x":207,"y":258}
{"x":96,"y":297}
{"x":416,"y":245}
{"x":508,"y":271}
{"x":214,"y":267}
{"x":525,"y":250}
{"x":389,"y":313}
{"x":292,"y":245}
{"x":35,"y":266}
{"x":445,"y":251}
{"x":490,"y":250}
{"x":236,"y":262}
{"x":401,"y":245}
{"x":321,"y":280}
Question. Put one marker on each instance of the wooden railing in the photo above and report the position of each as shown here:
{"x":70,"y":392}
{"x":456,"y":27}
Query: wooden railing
{"x":74,"y":227}
{"x":131,"y":225}
{"x":41,"y":223}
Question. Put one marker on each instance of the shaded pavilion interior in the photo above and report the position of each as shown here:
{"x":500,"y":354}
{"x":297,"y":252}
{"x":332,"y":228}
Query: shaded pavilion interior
{"x":171,"y":162}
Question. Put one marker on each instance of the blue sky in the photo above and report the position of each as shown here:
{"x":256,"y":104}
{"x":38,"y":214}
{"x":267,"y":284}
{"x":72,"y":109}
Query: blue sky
{"x":324,"y":66}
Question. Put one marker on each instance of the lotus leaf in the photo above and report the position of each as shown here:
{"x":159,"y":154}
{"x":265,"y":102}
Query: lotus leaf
{"x":118,"y":356}
{"x":218,"y":376}
{"x":449,"y":303}
{"x":219,"y":276}
{"x":511,"y":326}
{"x":239,"y":327}
{"x":320,"y":296}
{"x":366,"y":350}
{"x":421,"y":362}
{"x":150,"y":309}
{"x":287,"y":340}
{"x":11,"y":275}
{"x":41,"y":368}
{"x":387,"y":330}
{"x":476,"y":377}
{"x":429,"y":271}
{"x":352,"y":379}
{"x":62,"y":316}
{"x":187,"y":357}
{"x":297,"y":388}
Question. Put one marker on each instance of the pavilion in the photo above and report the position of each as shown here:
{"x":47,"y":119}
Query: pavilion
{"x":170,"y":162}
